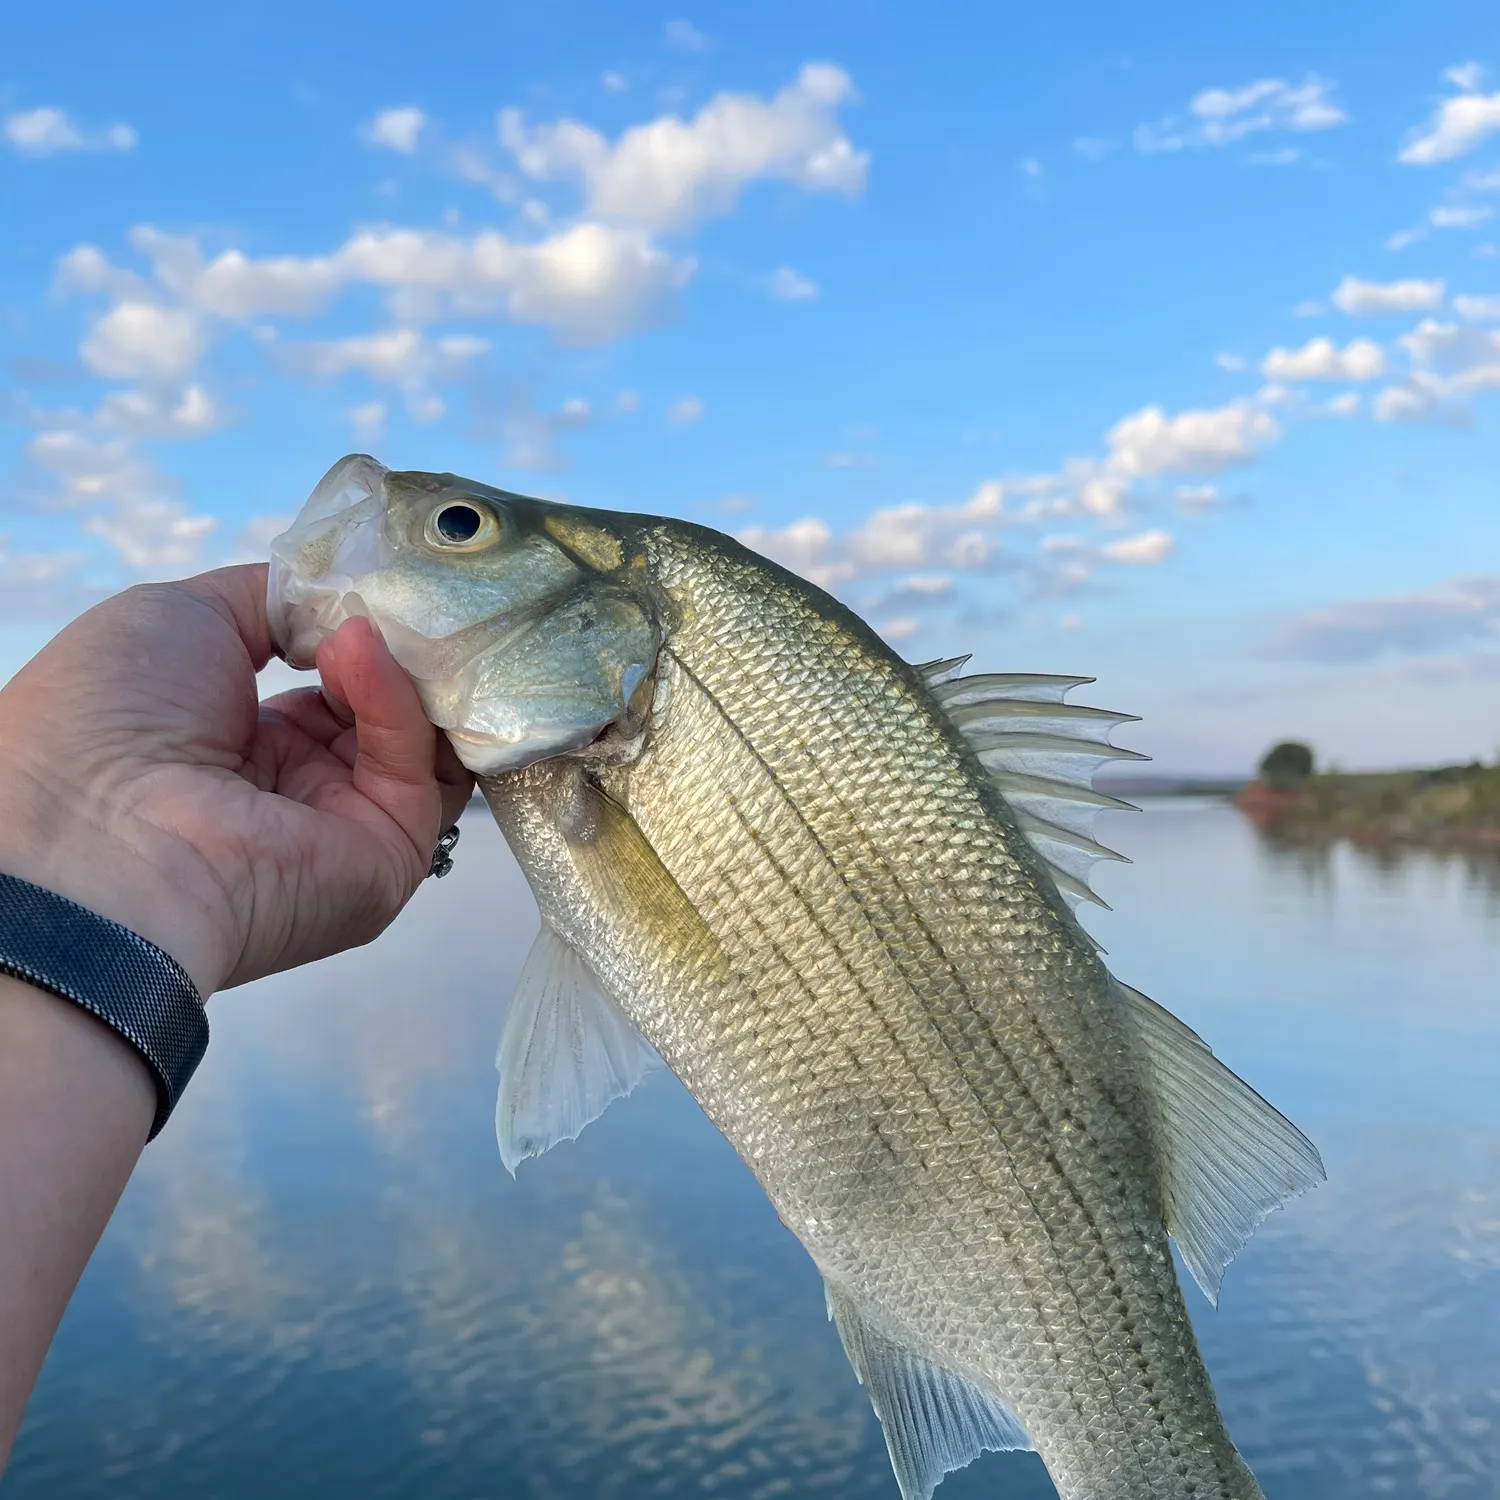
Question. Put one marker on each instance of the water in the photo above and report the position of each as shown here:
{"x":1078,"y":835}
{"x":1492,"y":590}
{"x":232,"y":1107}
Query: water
{"x":321,"y":1282}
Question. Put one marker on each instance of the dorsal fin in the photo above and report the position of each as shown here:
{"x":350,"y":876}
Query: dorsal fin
{"x":934,"y":672}
{"x":1042,"y":753}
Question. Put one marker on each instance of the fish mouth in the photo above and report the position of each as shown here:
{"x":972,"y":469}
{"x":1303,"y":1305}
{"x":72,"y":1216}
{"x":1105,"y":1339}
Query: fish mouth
{"x":485,"y":755}
{"x":300,"y":614}
{"x":302,"y":609}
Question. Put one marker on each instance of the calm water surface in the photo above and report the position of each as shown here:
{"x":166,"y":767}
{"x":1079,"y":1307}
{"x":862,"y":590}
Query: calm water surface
{"x":322,"y":1283}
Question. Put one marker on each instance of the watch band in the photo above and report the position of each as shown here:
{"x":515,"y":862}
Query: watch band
{"x":56,"y":945}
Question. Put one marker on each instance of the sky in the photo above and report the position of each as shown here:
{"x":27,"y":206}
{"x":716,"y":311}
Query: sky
{"x":1159,"y":344}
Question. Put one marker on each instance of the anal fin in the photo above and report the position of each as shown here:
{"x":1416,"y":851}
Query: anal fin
{"x":1227,"y":1157}
{"x":566,"y":1053}
{"x":933,"y":1420}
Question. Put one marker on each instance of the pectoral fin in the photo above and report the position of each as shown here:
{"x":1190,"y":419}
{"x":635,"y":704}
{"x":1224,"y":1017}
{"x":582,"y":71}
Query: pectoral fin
{"x":1228,"y":1158}
{"x":933,"y":1420}
{"x":566,"y":1053}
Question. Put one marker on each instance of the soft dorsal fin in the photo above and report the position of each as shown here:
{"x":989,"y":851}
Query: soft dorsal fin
{"x":934,"y":1421}
{"x":1227,"y":1157}
{"x":1042,"y":753}
{"x":566,"y":1053}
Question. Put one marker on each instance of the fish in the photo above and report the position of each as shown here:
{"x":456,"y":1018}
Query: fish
{"x":835,"y":893}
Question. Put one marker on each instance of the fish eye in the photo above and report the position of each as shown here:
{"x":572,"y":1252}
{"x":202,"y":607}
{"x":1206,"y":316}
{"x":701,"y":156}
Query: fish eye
{"x":463,"y":525}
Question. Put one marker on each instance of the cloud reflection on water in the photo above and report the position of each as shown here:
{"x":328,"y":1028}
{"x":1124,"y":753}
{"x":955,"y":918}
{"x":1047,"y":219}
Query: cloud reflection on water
{"x":322,"y":1281}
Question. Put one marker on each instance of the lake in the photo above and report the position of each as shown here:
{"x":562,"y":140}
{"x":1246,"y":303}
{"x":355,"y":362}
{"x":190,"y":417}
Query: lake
{"x":321,"y":1282}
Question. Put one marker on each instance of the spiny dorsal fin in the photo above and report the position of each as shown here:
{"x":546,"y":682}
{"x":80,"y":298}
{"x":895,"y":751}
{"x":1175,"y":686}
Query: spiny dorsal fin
{"x":566,"y":1053}
{"x":933,"y":1420}
{"x":934,"y":672}
{"x":1042,"y":753}
{"x":1228,"y":1158}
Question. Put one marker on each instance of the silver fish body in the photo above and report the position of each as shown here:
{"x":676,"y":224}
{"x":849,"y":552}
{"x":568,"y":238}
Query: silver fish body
{"x":792,"y":873}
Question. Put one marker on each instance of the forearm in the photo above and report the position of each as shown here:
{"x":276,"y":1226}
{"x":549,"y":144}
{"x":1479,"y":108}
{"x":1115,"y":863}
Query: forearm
{"x":76,"y":1104}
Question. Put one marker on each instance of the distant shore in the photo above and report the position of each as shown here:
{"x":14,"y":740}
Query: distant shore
{"x":1458,"y":806}
{"x":1447,"y":805}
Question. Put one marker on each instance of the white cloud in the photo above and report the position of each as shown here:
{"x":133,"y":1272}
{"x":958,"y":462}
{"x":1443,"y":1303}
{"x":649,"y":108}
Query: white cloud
{"x":234,"y":286}
{"x":126,"y":502}
{"x":1460,"y":216}
{"x":1465,"y":76}
{"x":399,"y":129}
{"x":1404,"y":237}
{"x":1093,"y":148}
{"x":154,"y":536}
{"x":1308,"y":309}
{"x":1221,"y":117}
{"x":614,"y":83}
{"x":1400,"y":403}
{"x":1459,"y":610}
{"x":806,"y":547}
{"x":144,"y":413}
{"x":1479,"y":308}
{"x":919,"y":590}
{"x":529,"y":434}
{"x":1459,"y":125}
{"x":671,"y":173}
{"x":1148,"y":547}
{"x":253,"y":543}
{"x":917,"y":541}
{"x":587,"y":284}
{"x":1231,"y":114}
{"x":85,"y":268}
{"x":1194,"y":442}
{"x":1343,"y":405}
{"x":685,"y":412}
{"x":1031,"y":167}
{"x":368,"y":422}
{"x":1165,"y":135}
{"x":787,"y":285}
{"x":1451,"y":348}
{"x":1366,"y":298}
{"x":591,"y":281}
{"x":1234,"y":363}
{"x":48,"y":132}
{"x":683,"y":36}
{"x":403,"y":357}
{"x":1321,"y":359}
{"x":39,"y":585}
{"x":1196,"y":498}
{"x":144,"y":341}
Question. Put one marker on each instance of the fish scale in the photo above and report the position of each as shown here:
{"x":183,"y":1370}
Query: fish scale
{"x":818,"y":882}
{"x":683,"y":807}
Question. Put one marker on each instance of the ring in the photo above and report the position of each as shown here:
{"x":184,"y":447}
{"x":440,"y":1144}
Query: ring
{"x":442,"y":856}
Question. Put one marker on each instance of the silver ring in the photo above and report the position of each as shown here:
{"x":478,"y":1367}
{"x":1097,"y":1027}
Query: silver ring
{"x":442,"y":856}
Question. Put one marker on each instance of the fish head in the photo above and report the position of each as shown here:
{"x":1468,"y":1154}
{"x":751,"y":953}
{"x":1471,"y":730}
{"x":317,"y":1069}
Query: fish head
{"x":518,"y":621}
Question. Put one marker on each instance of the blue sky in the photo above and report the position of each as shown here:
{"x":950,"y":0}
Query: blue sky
{"x":1162,"y":347}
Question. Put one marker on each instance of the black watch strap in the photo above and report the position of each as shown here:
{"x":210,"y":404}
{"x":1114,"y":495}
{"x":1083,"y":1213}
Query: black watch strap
{"x":113,"y":973}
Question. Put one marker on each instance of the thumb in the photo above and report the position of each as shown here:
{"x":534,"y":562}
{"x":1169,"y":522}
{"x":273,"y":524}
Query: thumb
{"x":397,"y":746}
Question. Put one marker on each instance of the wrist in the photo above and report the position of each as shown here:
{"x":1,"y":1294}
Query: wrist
{"x":105,"y":859}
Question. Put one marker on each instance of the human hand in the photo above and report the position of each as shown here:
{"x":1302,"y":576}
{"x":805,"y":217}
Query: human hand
{"x":140,"y":776}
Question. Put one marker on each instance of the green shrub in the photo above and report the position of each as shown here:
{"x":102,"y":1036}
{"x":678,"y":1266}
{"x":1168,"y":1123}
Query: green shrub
{"x":1286,"y":766}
